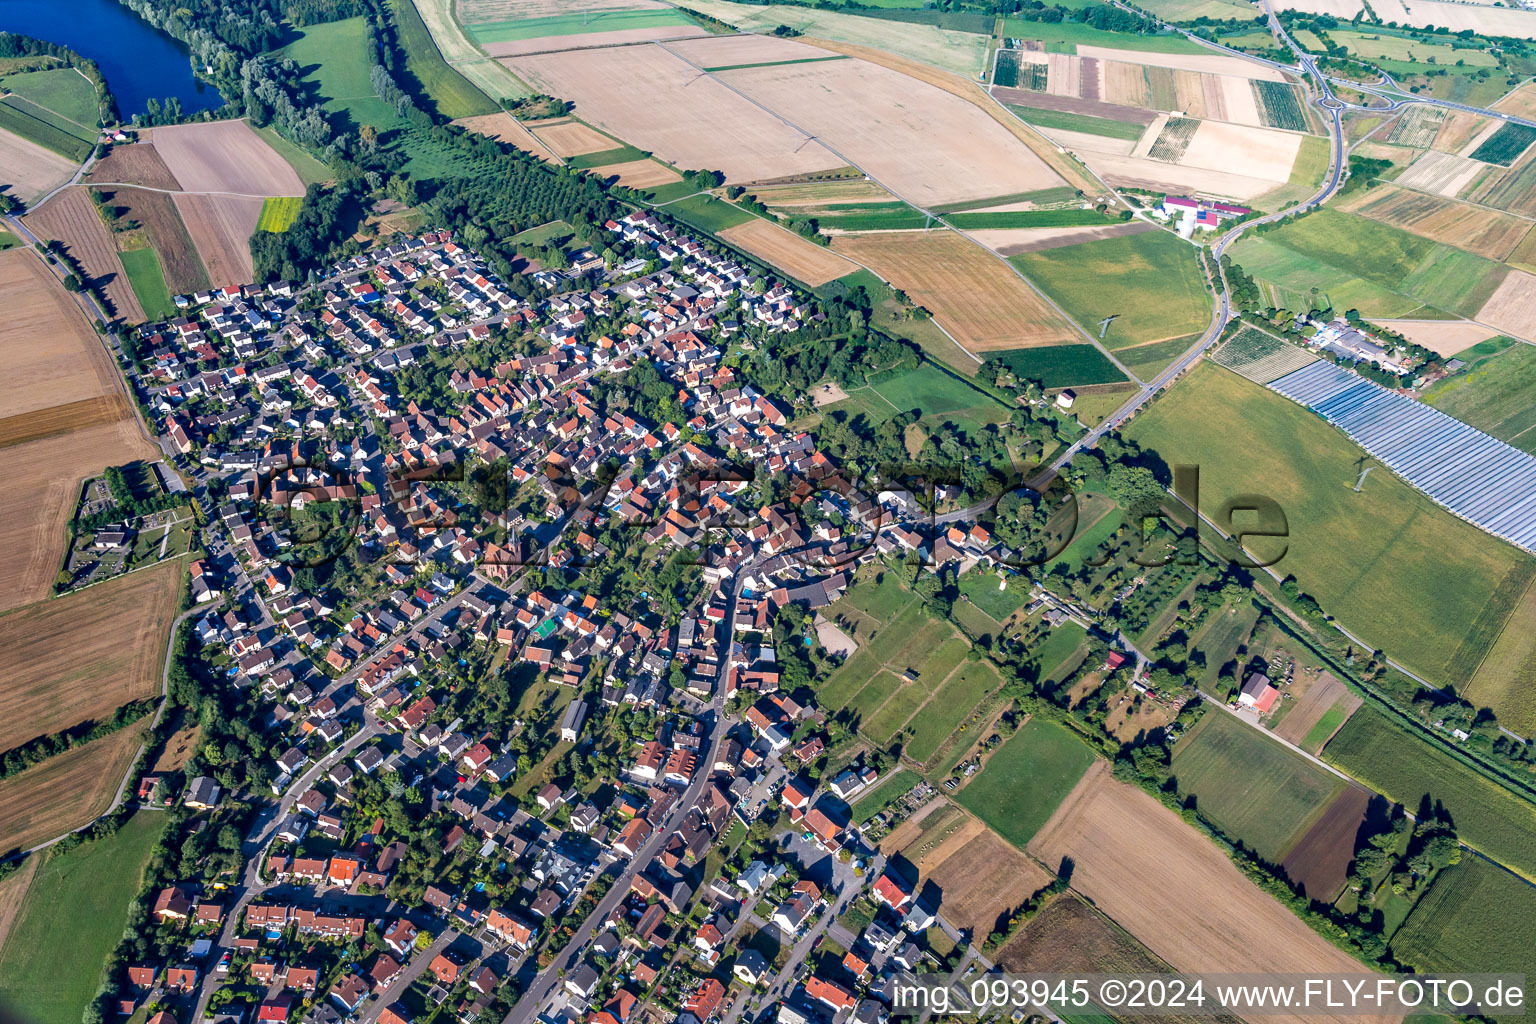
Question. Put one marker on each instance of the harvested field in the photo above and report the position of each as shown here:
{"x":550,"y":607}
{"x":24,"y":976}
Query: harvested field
{"x":71,"y":218}
{"x":1324,"y":694}
{"x":1215,"y":64}
{"x":1320,"y":860}
{"x":822,"y":193}
{"x":572,"y":138}
{"x":61,"y":419}
{"x":1493,"y":21}
{"x":78,"y":657}
{"x":591,"y":40}
{"x":1461,"y":131}
{"x":1092,"y":108}
{"x":971,"y":293}
{"x":1441,"y":173}
{"x":806,"y":261}
{"x":1342,"y":9}
{"x":30,"y":170}
{"x":1140,"y":172}
{"x":1013,"y":241}
{"x":1521,"y":102}
{"x":48,"y":355}
{"x":1512,"y":308}
{"x":1442,"y":337}
{"x":156,"y":214}
{"x":477,"y":11}
{"x":503,"y":127}
{"x":221,"y":228}
{"x":1235,"y":149}
{"x":1202,"y":914}
{"x":224,"y":156}
{"x":923,"y":143}
{"x":66,"y":791}
{"x":1091,"y":142}
{"x":729,"y":51}
{"x":638,"y":173}
{"x":919,"y":836}
{"x":657,"y":101}
{"x":983,"y":881}
{"x":136,"y":164}
{"x":1474,"y":228}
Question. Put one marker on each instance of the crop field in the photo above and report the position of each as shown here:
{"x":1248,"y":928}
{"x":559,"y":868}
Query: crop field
{"x":278,"y":213}
{"x":46,"y":128}
{"x":226,"y":156}
{"x":1174,"y":139}
{"x":221,"y":228}
{"x":1512,"y":306}
{"x":1506,"y":677}
{"x":1202,"y":914}
{"x":1027,"y":219}
{"x":155,"y":213}
{"x":970,"y":292}
{"x":572,"y":31}
{"x":1021,"y":783}
{"x":656,"y":101}
{"x":133,"y":164}
{"x":1151,"y":281}
{"x":1474,"y":918}
{"x":1279,"y":106}
{"x":1493,"y":394}
{"x":805,"y":261}
{"x":1061,"y":366}
{"x":707,"y":213}
{"x":71,"y":918}
{"x":71,"y":217}
{"x":1386,"y":561}
{"x":503,"y":127}
{"x":981,"y":880}
{"x":1514,"y":190}
{"x":1318,"y":713}
{"x":641,"y":174}
{"x":48,"y":355}
{"x":453,"y":94}
{"x":114,"y":635}
{"x":718,"y":53}
{"x":32,"y":809}
{"x":952,"y":703}
{"x":63,"y":91}
{"x":1040,"y":117}
{"x":1319,"y":860}
{"x":924,"y":143}
{"x":1405,"y":768}
{"x":1252,"y":787}
{"x":147,"y":277}
{"x":28,"y":169}
{"x":1477,"y":229}
{"x":1017,"y":241}
{"x":1505,"y":145}
{"x":572,"y":138}
{"x":1260,"y":356}
{"x":465,"y":57}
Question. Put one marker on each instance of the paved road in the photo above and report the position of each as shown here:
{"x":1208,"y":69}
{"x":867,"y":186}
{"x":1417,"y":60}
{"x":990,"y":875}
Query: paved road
{"x":408,"y":974}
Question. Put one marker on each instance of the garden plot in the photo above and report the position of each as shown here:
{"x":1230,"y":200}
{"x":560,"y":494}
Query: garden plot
{"x":1444,"y":174}
{"x":661,"y":103}
{"x":926,"y":145}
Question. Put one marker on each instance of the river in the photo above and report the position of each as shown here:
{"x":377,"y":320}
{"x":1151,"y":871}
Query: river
{"x":138,"y":59}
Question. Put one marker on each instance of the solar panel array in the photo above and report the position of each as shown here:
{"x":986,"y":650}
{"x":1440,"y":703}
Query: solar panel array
{"x":1478,"y":477}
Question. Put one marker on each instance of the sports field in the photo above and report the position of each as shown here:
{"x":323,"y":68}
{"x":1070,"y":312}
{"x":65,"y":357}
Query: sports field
{"x":1023,"y":781}
{"x":72,"y":917}
{"x":1406,"y":769}
{"x":1252,"y":787}
{"x":1475,"y":917}
{"x":1387,"y":562}
{"x":1151,"y":282}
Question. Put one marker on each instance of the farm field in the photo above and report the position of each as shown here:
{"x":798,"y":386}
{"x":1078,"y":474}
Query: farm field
{"x":46,"y":128}
{"x":1061,"y":365}
{"x":481,"y":71}
{"x":31,"y":808}
{"x":1405,"y":768}
{"x":1386,"y":561}
{"x":573,"y":31}
{"x":923,"y":143}
{"x":1021,"y":783}
{"x":336,"y":64}
{"x":503,"y":127}
{"x":1203,"y":914}
{"x":980,"y":880}
{"x":102,"y":670}
{"x":805,"y":261}
{"x":1318,"y":713}
{"x":637,"y":93}
{"x":30,"y":170}
{"x":147,"y":277}
{"x":134,"y":164}
{"x":719,"y":53}
{"x":62,"y":91}
{"x":1252,"y":787}
{"x":453,"y":94}
{"x":72,"y":916}
{"x":1474,"y":917}
{"x":1492,"y":393}
{"x":1319,"y":861}
{"x":1484,"y":232}
{"x":70,"y":217}
{"x":221,"y":228}
{"x":1512,"y":306}
{"x":970,"y":292}
{"x":162,"y":229}
{"x":278,"y":213}
{"x":225,"y":156}
{"x":1506,"y":676}
{"x":641,"y":174}
{"x":950,"y":706}
{"x":571,"y":138}
{"x":1151,"y":282}
{"x":48,"y":354}
{"x":1443,"y":337}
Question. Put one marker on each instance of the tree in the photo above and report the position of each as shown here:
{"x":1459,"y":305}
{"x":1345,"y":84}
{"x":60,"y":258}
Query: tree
{"x":71,"y":282}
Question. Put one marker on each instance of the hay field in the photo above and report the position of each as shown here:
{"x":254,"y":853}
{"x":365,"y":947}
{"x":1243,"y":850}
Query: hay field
{"x":78,"y":657}
{"x":712,"y":52}
{"x":1494,"y":21}
{"x":1474,"y":228}
{"x":71,"y":218}
{"x":970,"y":292}
{"x":135,"y":164}
{"x":806,"y":261}
{"x":1442,"y":337}
{"x":221,"y":228}
{"x":49,"y":356}
{"x":1512,"y":308}
{"x":961,"y":52}
{"x":1506,"y":677}
{"x":1215,"y":64}
{"x":924,"y":144}
{"x":503,"y":127}
{"x":224,"y":156}
{"x":638,"y":173}
{"x":30,"y":170}
{"x":1444,"y":174}
{"x":1200,"y":913}
{"x":67,"y":790}
{"x":659,"y":102}
{"x":572,"y":138}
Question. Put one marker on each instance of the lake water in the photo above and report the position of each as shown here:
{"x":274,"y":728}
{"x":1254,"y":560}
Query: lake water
{"x":138,"y":59}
